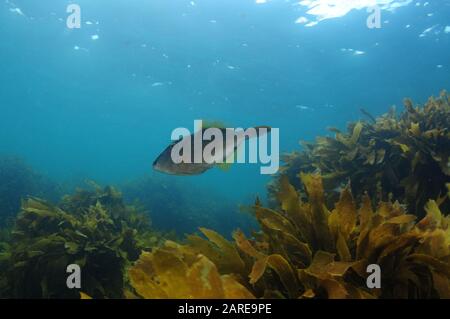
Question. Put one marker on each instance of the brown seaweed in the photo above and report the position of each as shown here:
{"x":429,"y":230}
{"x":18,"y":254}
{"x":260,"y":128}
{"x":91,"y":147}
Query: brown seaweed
{"x":176,"y":271}
{"x":403,"y":156}
{"x":311,"y":250}
{"x":94,"y":230}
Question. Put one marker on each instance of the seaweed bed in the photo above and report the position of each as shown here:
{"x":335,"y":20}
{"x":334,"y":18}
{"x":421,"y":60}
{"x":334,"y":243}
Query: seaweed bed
{"x":404,"y":157}
{"x":378,"y":194}
{"x":19,"y":180}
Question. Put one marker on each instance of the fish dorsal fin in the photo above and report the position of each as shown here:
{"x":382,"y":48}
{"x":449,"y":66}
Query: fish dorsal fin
{"x":212,"y":124}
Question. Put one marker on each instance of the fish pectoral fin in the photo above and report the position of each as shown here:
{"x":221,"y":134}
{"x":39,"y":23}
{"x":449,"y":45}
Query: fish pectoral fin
{"x":225,"y":166}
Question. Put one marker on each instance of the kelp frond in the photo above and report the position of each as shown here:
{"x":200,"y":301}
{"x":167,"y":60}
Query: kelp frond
{"x":310,"y":250}
{"x":94,"y":230}
{"x":404,"y":156}
{"x":176,"y":271}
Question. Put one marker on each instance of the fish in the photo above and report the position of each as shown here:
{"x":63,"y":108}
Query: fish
{"x":165,"y":164}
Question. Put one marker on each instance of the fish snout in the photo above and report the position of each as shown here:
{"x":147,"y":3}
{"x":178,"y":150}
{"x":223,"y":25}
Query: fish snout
{"x":156,"y":165}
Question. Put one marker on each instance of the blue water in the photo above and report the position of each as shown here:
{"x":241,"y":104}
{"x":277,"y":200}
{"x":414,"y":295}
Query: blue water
{"x":76,"y":106}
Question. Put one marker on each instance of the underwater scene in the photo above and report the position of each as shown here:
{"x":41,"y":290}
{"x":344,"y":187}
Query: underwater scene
{"x":224,"y":149}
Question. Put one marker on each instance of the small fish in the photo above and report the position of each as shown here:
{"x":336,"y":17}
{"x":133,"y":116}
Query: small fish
{"x":165,"y":164}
